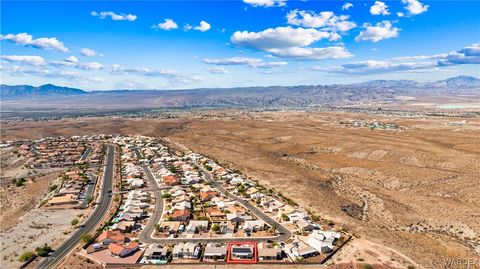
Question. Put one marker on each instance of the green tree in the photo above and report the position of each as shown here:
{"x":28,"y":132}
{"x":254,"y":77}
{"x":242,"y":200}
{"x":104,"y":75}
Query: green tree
{"x":43,"y":250}
{"x":89,"y":199}
{"x":19,"y":182}
{"x":86,"y":238}
{"x":52,"y":188}
{"x":26,"y":256}
{"x":215,"y":228}
{"x":167,"y":196}
{"x":74,"y":222}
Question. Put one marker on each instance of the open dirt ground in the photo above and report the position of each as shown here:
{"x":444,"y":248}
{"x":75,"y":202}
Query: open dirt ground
{"x":413,"y":191}
{"x":34,"y":229}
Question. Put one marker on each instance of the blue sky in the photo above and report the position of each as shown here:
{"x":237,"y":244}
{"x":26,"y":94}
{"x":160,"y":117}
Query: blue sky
{"x":103,"y":45}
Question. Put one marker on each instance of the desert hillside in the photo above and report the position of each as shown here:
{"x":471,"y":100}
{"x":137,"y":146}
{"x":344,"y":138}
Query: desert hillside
{"x":413,"y":189}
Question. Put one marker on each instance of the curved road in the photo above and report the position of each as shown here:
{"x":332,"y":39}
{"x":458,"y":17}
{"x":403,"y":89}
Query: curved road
{"x":90,"y":224}
{"x":147,"y":232}
{"x":283,"y":233}
{"x":145,"y":236}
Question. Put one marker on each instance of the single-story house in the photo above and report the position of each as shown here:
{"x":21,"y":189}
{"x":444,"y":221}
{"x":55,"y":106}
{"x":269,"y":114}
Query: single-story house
{"x":269,"y":254}
{"x":108,"y":237}
{"x":157,"y":252}
{"x":123,"y":250}
{"x":214,"y":253}
{"x":242,"y":252}
{"x":180,"y":215}
{"x":322,"y":241}
{"x":184,"y":251}
{"x":253,"y":225}
{"x":196,"y":225}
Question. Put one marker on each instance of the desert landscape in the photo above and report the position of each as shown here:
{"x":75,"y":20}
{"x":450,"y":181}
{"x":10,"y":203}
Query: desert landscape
{"x":410,"y":192}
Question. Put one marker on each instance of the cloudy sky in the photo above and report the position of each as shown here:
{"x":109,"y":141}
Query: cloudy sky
{"x":191,"y":44}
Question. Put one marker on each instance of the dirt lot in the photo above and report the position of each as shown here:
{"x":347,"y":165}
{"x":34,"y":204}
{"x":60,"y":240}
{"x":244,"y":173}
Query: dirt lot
{"x":413,"y":190}
{"x":17,"y":201}
{"x":34,"y":229}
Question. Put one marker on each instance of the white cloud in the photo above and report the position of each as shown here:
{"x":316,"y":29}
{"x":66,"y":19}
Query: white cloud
{"x":174,"y":77}
{"x":288,"y":42}
{"x":381,"y":30}
{"x":218,"y":70}
{"x":232,"y":61}
{"x":252,"y":62}
{"x":270,"y":64}
{"x":203,"y":27}
{"x":167,"y":25}
{"x":89,"y":52}
{"x":334,"y":37}
{"x":467,"y":55}
{"x":89,"y":66}
{"x":45,"y":43}
{"x":115,"y":17}
{"x":187,"y":27}
{"x":323,"y":19}
{"x":414,"y":7}
{"x":265,"y":3}
{"x":464,"y":56}
{"x":71,"y":59}
{"x":280,"y":37}
{"x":400,"y":14}
{"x":24,"y":59}
{"x":297,"y":53}
{"x":379,"y":8}
{"x":52,"y":73}
{"x":374,"y":67}
{"x":347,"y":6}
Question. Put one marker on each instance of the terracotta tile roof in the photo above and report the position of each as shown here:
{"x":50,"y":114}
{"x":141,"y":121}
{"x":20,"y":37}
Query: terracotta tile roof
{"x":170,"y":179}
{"x":116,"y":248}
{"x":178,"y":213}
{"x":112,"y":235}
{"x":207,"y":194}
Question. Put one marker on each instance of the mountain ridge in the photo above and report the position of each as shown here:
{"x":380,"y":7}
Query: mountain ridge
{"x":9,"y":91}
{"x":385,"y":91}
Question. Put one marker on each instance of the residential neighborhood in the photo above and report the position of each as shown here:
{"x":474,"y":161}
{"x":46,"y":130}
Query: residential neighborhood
{"x":177,"y":206}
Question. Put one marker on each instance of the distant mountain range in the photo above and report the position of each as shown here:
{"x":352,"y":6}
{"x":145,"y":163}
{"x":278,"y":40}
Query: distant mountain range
{"x":273,"y":96}
{"x":8,"y":91}
{"x":44,"y":90}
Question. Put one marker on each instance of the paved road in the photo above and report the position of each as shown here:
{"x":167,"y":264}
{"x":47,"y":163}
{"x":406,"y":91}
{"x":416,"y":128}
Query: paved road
{"x":283,"y":235}
{"x":86,"y":154}
{"x":145,"y":236}
{"x":90,"y":188}
{"x":90,"y":224}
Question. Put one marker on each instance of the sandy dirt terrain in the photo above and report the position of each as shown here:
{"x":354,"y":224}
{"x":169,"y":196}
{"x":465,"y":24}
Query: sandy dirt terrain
{"x":22,"y":223}
{"x":413,"y":191}
{"x":34,"y":229}
{"x":17,"y":201}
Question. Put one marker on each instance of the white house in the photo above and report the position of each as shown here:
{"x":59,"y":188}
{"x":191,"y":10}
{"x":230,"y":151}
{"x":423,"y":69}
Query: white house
{"x":322,"y":241}
{"x":253,"y":225}
{"x":195,"y":225}
{"x":184,"y":251}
